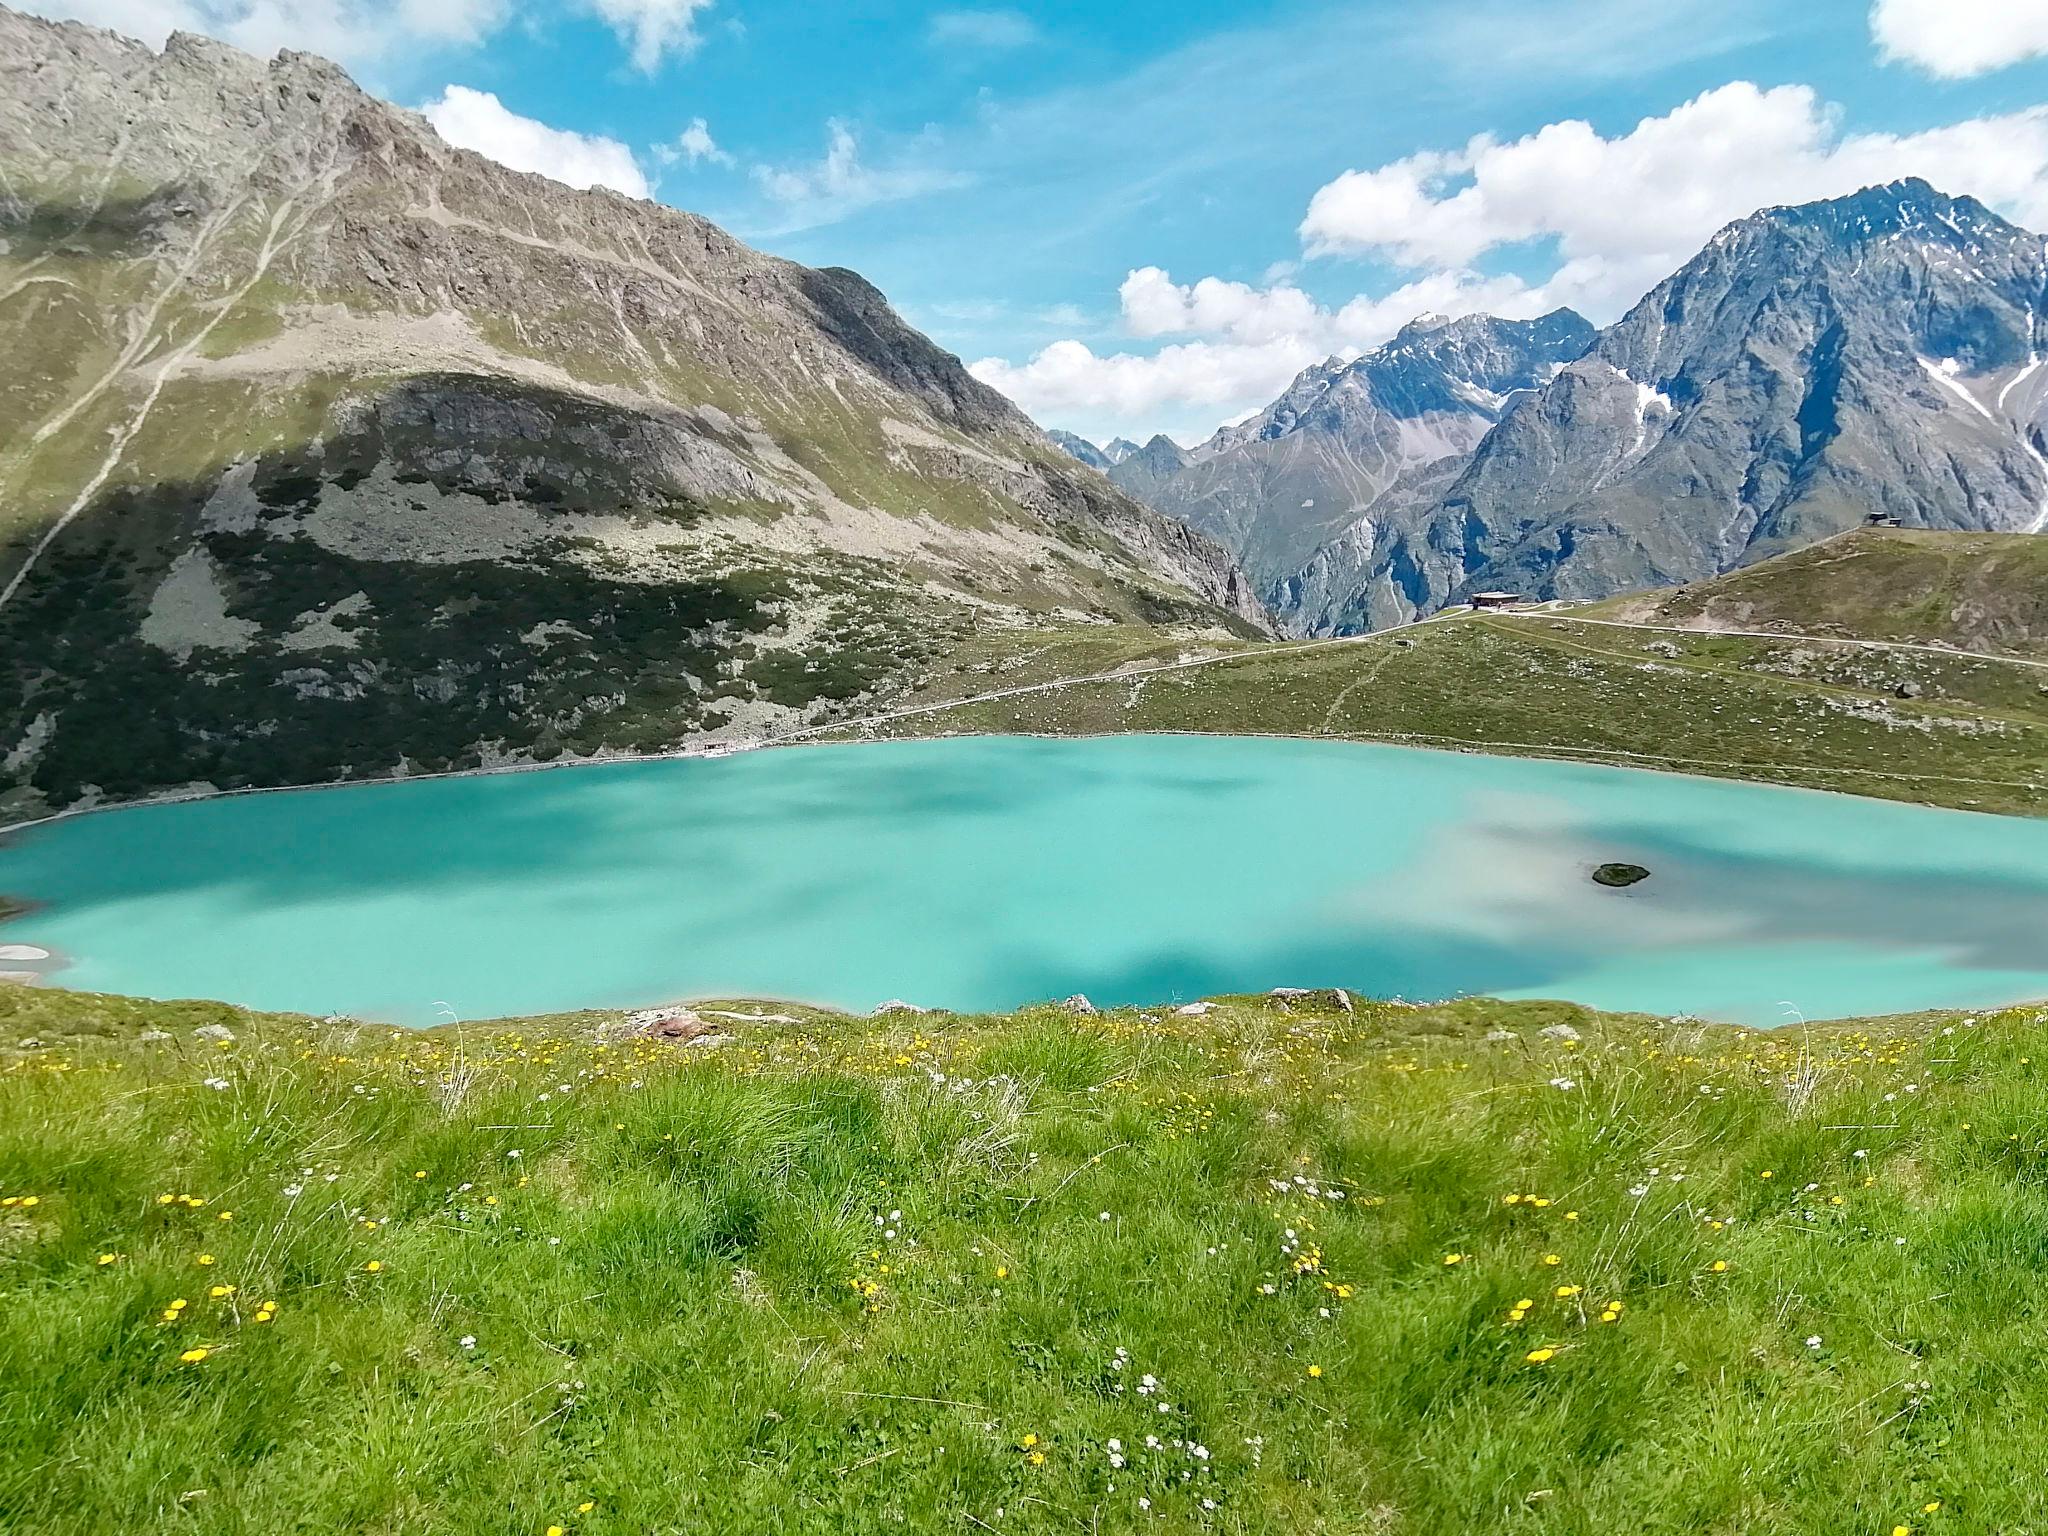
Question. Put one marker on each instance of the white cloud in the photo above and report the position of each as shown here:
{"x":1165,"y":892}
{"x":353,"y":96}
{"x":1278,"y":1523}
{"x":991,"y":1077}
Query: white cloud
{"x":693,"y":146}
{"x":355,"y":32}
{"x":367,"y":32}
{"x":1251,"y":343}
{"x":842,"y":183}
{"x":652,"y":29}
{"x":982,"y":30}
{"x":1958,"y":38}
{"x":1624,"y":211}
{"x":478,"y":120}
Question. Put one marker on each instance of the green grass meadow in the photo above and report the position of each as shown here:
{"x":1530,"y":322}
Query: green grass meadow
{"x":1278,"y":1267}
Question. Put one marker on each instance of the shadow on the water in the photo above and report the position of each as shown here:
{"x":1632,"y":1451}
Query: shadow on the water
{"x":617,"y":819}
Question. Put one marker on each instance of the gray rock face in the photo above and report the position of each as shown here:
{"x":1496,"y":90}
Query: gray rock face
{"x":1353,"y":443}
{"x":1880,"y":353}
{"x":1144,"y":472}
{"x":1081,"y":449}
{"x":586,"y":472}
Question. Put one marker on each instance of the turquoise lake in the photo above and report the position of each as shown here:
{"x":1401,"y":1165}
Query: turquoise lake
{"x":988,"y":872}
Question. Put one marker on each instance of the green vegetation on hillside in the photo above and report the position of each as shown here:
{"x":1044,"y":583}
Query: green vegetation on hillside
{"x":1283,"y":1266}
{"x":1956,"y":731}
{"x":1979,"y":591}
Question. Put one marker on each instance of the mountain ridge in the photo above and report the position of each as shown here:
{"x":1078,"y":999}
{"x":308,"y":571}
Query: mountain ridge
{"x":355,"y":453}
{"x":1879,"y":353}
{"x":1350,"y":438}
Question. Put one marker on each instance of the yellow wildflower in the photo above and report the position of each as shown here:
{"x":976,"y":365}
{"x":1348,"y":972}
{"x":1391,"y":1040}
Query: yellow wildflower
{"x":1538,"y":1356}
{"x":374,"y":1267}
{"x":193,"y":1356}
{"x":1315,"y":1371}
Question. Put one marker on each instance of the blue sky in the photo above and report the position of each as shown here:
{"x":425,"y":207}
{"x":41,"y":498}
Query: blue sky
{"x":1145,"y":216}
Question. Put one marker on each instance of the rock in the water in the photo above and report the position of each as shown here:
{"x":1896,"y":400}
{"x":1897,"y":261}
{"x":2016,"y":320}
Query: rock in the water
{"x":1620,"y":876}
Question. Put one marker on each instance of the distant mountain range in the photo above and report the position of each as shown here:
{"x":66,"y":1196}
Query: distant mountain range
{"x":1878,"y":353}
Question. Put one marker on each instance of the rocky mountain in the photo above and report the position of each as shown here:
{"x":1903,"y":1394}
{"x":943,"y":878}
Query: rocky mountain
{"x":1140,"y":471}
{"x":327,"y":450}
{"x":1145,"y":472}
{"x":1878,"y":353}
{"x":1355,"y":441}
{"x":1081,"y":449}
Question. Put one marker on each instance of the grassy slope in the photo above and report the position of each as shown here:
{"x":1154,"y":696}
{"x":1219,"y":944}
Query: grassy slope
{"x":837,"y":1275}
{"x":1976,"y":737}
{"x":1981,"y":591}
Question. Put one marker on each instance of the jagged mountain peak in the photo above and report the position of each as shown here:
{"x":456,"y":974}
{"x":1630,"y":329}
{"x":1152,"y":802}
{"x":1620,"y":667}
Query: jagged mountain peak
{"x":1350,"y":433}
{"x":1079,"y":446}
{"x":1909,"y":206}
{"x":1431,"y":365}
{"x":1874,"y":353}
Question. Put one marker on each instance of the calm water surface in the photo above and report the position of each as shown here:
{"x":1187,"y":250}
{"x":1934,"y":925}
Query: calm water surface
{"x":989,"y":872}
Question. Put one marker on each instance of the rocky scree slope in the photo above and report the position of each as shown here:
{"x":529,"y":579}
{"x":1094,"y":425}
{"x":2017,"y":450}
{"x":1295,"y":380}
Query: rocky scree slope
{"x":327,"y":450}
{"x":1876,"y":353}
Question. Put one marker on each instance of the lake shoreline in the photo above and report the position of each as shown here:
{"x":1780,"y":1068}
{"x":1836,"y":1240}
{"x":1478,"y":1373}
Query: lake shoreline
{"x":1596,"y":757}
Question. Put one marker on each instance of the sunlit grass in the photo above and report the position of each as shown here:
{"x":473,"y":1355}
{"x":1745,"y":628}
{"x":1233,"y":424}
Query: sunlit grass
{"x":1276,"y":1267}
